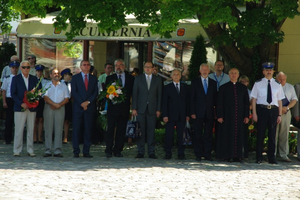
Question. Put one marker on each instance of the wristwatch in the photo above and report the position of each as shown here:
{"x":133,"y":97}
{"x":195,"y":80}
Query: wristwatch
{"x":288,"y":108}
{"x":89,"y":102}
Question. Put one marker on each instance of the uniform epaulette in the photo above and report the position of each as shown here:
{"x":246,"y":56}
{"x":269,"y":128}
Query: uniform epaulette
{"x":259,"y":80}
{"x":277,"y":81}
{"x":7,"y":76}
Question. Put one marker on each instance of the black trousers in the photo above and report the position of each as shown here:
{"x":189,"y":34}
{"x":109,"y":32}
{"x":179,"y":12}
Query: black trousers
{"x":266,"y":118}
{"x":169,"y":137}
{"x":120,"y":123}
{"x":9,"y":121}
{"x":202,"y":140}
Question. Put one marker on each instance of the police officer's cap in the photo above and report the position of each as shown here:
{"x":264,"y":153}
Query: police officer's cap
{"x":14,"y":64}
{"x":65,"y":71}
{"x":268,"y":65}
{"x":39,"y":67}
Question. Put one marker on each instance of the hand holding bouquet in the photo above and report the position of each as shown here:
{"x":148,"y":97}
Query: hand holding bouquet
{"x":114,"y":93}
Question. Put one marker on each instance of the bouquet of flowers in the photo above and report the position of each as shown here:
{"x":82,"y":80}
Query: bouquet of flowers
{"x":114,"y":93}
{"x":32,"y":97}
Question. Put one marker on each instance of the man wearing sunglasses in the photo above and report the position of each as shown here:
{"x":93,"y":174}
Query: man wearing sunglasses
{"x":32,"y":61}
{"x":21,"y":83}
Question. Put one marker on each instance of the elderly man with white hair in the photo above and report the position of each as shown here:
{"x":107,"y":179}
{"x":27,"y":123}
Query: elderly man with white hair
{"x":282,"y":132}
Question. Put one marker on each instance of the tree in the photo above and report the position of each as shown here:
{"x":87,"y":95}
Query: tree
{"x":8,"y":14}
{"x":237,"y":29}
{"x":198,"y":57}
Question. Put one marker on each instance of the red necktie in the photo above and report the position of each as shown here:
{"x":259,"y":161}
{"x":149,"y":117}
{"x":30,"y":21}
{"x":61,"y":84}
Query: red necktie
{"x":86,"y":82}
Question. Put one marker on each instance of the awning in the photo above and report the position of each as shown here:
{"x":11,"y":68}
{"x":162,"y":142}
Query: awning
{"x":188,"y":30}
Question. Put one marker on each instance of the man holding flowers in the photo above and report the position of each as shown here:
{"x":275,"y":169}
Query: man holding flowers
{"x":22,"y":83}
{"x":118,"y":93}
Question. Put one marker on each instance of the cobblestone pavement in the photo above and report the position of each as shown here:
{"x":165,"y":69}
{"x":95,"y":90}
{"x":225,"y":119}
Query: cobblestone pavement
{"x":129,"y":178}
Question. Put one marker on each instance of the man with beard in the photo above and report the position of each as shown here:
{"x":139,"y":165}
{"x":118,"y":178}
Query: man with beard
{"x":54,"y":113}
{"x":117,"y":114}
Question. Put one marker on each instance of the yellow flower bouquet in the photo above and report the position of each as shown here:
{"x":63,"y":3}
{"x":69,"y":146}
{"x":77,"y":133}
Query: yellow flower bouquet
{"x":114,"y":92}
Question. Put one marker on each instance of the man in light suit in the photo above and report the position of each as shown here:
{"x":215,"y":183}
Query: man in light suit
{"x":146,"y":105}
{"x":175,"y":113}
{"x":84,"y":92}
{"x":203,"y":100}
{"x":118,"y":114}
{"x":21,"y":83}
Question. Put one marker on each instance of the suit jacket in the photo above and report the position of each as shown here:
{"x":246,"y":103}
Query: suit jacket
{"x":80,"y":94}
{"x":175,"y":106}
{"x":121,"y":109}
{"x":296,"y":108}
{"x":142,"y":97}
{"x":203,"y":105}
{"x":18,"y":89}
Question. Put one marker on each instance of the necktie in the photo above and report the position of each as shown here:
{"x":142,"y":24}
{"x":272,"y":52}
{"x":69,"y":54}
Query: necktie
{"x":269,"y":94}
{"x":148,"y":82}
{"x":177,"y":88}
{"x":86,"y":82}
{"x":120,"y":79}
{"x":205,"y":86}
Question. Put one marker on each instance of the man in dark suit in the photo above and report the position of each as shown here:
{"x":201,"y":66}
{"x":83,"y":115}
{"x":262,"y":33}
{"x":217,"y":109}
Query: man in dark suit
{"x":84,"y":92}
{"x":118,"y":114}
{"x":175,"y":113}
{"x":203,"y":101}
{"x":21,"y":83}
{"x":146,"y":105}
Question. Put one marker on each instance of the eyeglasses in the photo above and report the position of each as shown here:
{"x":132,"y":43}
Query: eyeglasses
{"x":120,"y":65}
{"x":29,"y":58}
{"x":25,"y":67}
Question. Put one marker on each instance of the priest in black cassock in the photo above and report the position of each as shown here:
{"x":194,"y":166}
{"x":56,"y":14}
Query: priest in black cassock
{"x":233,"y":114}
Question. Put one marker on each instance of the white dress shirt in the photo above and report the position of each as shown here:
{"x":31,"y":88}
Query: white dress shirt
{"x":57,"y":93}
{"x":289,"y":92}
{"x":7,"y":84}
{"x":260,"y":88}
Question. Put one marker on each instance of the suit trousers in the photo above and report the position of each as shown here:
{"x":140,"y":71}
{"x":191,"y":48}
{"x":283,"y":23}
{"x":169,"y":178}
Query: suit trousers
{"x":169,"y":137}
{"x":86,"y":119}
{"x":120,"y":122}
{"x":202,"y":140}
{"x":53,"y":118}
{"x":20,"y":119}
{"x":282,"y":136}
{"x":9,"y":121}
{"x":266,"y":117}
{"x":147,"y":123}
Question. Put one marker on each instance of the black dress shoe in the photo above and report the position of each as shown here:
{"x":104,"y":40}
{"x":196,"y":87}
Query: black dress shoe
{"x":58,"y":155}
{"x":167,"y":157}
{"x":87,"y":155}
{"x":153,"y":156}
{"x":41,"y":142}
{"x":182,"y":157}
{"x":35,"y":142}
{"x":139,"y":156}
{"x":108,"y":155}
{"x":273,"y":162}
{"x":119,"y":155}
{"x":258,"y":161}
{"x":208,"y":158}
{"x":76,"y":155}
{"x":47,"y":155}
{"x":198,"y":158}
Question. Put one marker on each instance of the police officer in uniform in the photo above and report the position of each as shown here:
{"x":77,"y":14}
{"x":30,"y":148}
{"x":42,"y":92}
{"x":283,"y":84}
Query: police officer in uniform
{"x":267,"y":94}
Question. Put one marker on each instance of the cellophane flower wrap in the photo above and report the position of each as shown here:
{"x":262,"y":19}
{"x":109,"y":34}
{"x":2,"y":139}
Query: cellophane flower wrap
{"x":32,"y":97}
{"x":114,"y":93}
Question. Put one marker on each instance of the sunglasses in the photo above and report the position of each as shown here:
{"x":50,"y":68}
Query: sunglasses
{"x":25,"y":67}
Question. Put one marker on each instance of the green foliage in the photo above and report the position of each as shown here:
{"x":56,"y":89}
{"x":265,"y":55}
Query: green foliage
{"x":198,"y":57}
{"x":8,"y":14}
{"x":71,"y":49}
{"x":236,"y":29}
{"x":6,"y":51}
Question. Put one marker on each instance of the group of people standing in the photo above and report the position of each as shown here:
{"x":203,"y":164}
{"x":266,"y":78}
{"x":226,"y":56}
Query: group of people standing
{"x":214,"y":100}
